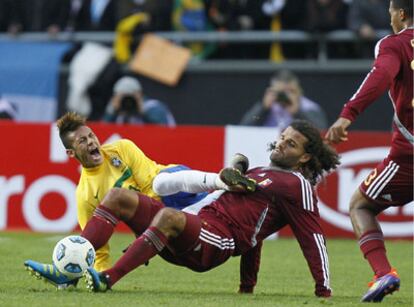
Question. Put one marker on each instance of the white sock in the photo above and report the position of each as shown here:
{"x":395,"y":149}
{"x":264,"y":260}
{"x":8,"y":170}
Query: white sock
{"x":186,"y":181}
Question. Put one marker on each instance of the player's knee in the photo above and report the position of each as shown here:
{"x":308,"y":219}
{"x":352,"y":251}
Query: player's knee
{"x":360,"y":203}
{"x":113,"y":199}
{"x":167,"y":216}
{"x":170,"y":221}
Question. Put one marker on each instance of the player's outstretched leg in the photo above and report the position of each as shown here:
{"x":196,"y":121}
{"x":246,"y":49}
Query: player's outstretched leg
{"x":236,"y":181}
{"x":382,"y":286}
{"x":50,"y":274}
{"x":95,"y":281}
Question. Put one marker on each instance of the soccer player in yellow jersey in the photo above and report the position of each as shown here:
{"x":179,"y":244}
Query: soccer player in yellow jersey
{"x":120,"y":165}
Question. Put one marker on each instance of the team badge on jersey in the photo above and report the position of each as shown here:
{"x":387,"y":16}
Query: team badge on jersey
{"x":116,"y":162}
{"x":265,"y":182}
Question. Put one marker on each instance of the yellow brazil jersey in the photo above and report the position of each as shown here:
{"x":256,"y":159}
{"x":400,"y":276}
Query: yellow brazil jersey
{"x":124,"y":165}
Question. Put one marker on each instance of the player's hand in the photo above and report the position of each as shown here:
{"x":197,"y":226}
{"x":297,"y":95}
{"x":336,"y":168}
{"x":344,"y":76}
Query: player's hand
{"x":116,"y":102}
{"x":338,"y":131}
{"x":269,"y":98}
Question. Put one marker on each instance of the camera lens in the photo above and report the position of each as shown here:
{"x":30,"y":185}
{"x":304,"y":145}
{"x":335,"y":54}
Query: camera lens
{"x":282,"y":98}
{"x":128,"y":104}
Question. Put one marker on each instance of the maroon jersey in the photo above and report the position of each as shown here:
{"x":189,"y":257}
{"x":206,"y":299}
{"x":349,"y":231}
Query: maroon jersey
{"x":282,"y":198}
{"x":391,"y":70}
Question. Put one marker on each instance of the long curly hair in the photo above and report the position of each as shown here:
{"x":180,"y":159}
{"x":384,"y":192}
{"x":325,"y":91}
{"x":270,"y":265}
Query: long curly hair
{"x":324,"y":158}
{"x":68,"y":123}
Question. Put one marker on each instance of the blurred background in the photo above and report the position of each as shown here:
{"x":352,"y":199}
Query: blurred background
{"x":68,"y":54}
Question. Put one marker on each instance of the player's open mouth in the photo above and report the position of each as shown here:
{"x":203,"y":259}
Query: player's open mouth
{"x":95,"y":154}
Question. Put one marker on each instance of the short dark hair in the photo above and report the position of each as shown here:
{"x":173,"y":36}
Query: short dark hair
{"x":68,"y":123}
{"x":323,"y":157}
{"x":405,"y":5}
{"x":286,"y":76}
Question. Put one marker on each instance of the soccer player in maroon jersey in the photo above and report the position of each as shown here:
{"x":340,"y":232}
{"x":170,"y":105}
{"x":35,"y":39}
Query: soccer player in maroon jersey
{"x":391,"y":182}
{"x":233,"y":225}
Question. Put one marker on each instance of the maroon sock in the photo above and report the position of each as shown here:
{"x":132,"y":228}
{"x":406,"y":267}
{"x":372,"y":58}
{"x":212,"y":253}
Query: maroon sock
{"x":147,"y":209}
{"x":372,"y":246}
{"x":100,"y":227}
{"x":150,"y":243}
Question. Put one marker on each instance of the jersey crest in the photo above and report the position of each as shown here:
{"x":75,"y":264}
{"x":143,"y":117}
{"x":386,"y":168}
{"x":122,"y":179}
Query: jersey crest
{"x":115,"y":161}
{"x":265,"y":182}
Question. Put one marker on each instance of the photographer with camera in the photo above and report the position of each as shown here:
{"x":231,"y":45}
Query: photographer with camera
{"x":128,"y":105}
{"x":283,"y":102}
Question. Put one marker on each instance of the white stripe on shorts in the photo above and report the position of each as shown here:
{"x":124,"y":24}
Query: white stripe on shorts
{"x":217,"y":241}
{"x":381,"y":181}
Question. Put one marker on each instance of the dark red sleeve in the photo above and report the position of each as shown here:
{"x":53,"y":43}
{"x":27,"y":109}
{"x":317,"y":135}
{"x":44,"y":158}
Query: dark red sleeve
{"x":307,"y":230}
{"x":378,"y":80}
{"x":249,"y":267}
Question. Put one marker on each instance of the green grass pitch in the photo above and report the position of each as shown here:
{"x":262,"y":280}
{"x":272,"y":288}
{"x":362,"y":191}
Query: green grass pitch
{"x":284,"y":278}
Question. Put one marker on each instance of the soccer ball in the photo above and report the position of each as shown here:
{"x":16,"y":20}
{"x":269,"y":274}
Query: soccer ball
{"x":73,"y":255}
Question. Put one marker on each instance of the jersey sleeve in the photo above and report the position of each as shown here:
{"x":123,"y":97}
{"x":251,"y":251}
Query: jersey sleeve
{"x":378,"y":80}
{"x":85,"y":212}
{"x":249,"y":268}
{"x":307,"y":230}
{"x":302,"y":215}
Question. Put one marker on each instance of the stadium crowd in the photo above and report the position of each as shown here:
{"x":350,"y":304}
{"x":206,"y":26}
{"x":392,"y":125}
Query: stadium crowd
{"x":129,"y":19}
{"x":135,"y":17}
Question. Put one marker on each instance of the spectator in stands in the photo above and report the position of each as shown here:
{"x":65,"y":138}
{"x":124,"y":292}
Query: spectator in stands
{"x":81,"y":15}
{"x":57,"y":16}
{"x":191,"y":16}
{"x":328,"y":15}
{"x":283,"y":101}
{"x":158,"y":10}
{"x":7,"y":109}
{"x":97,"y":15}
{"x":12,"y":16}
{"x":129,"y":106}
{"x":140,"y":17}
{"x":364,"y":18}
{"x":272,"y":9}
{"x":239,"y":15}
{"x":287,"y":15}
{"x":73,"y":15}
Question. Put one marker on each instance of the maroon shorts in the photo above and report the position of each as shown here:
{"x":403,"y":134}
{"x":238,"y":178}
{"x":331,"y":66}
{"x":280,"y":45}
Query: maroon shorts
{"x":147,"y":209}
{"x":205,"y":243}
{"x":390,"y":183}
